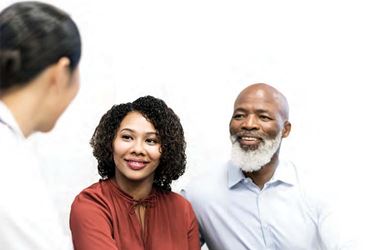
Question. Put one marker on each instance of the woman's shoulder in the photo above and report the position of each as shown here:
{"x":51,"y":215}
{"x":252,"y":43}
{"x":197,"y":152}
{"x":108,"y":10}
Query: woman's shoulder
{"x":91,"y":204}
{"x":95,"y":193}
{"x":95,"y":188}
{"x":177,"y":205}
{"x":174,"y":199}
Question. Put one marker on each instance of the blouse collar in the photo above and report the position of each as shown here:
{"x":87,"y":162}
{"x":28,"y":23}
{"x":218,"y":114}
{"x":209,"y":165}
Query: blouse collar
{"x":149,"y":201}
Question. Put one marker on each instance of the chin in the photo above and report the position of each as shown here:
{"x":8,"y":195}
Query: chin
{"x":249,"y":147}
{"x":47,"y":128}
{"x":253,"y":157}
{"x":134,"y":177}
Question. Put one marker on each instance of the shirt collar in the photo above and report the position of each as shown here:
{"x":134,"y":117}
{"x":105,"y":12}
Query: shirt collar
{"x":235,"y":175}
{"x":7,"y":118}
{"x":284,"y":173}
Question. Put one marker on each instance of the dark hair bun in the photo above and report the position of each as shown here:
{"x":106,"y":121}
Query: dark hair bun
{"x":10,"y":63}
{"x":33,"y":36}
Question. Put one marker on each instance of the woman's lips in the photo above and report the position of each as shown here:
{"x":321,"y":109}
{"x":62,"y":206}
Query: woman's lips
{"x":136,"y":165}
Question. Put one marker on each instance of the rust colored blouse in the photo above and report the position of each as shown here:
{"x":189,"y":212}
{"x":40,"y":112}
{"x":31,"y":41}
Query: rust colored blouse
{"x":103,"y":217}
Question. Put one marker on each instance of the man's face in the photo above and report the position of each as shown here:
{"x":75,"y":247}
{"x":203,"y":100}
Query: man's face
{"x":256,"y":128}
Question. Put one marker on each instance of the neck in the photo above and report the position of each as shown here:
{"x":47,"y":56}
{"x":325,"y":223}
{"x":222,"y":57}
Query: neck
{"x":137,"y":189}
{"x":263,"y":175}
{"x":24,"y":103}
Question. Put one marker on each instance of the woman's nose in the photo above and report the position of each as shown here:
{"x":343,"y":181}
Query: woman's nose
{"x":138,"y":147}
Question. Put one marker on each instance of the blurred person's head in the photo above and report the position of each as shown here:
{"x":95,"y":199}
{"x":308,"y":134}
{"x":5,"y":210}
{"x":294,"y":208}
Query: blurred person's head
{"x":40,"y":49}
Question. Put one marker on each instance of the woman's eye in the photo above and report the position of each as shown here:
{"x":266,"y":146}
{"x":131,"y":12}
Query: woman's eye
{"x":151,"y":141}
{"x":126,"y":137}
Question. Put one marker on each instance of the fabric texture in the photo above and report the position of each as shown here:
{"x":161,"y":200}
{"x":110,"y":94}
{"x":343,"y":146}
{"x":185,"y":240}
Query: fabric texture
{"x":233,"y":213}
{"x":28,"y":217}
{"x":104,"y":217}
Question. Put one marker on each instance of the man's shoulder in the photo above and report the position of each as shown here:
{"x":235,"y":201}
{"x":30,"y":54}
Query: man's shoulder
{"x":315,"y":190}
{"x":212,"y":181}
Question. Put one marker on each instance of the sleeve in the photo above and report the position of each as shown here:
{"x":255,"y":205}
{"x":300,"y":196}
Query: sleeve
{"x":28,"y":215}
{"x":32,"y":226}
{"x":193,"y":229}
{"x":91,"y":224}
{"x":334,"y":229}
{"x":333,"y":221}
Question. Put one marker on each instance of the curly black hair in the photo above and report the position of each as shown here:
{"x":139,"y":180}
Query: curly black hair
{"x":173,"y":158}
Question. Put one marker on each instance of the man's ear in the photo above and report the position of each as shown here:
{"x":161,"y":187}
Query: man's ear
{"x":286,"y":129}
{"x":60,"y":73}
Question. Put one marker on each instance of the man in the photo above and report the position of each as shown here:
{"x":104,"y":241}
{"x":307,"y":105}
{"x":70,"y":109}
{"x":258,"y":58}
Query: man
{"x":257,"y":201}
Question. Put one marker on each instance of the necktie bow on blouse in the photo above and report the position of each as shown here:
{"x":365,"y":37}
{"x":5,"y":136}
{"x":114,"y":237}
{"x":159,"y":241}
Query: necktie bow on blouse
{"x":147,"y":203}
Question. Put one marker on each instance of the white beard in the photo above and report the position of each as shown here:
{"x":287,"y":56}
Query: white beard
{"x":254,"y":160}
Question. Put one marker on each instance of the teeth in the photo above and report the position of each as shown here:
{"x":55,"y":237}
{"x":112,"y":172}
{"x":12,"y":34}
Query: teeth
{"x":136,"y":163}
{"x":249,"y":138}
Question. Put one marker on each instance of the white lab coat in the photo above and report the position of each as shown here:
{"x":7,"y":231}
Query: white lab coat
{"x":28,"y":218}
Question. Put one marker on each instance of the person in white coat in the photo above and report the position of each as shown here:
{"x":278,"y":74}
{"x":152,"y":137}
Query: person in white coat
{"x":40,"y":49}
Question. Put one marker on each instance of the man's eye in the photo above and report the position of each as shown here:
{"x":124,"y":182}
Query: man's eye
{"x":238,"y":116}
{"x":265,"y":118}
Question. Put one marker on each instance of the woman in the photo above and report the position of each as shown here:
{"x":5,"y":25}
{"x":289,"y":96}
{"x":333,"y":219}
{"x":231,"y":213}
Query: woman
{"x":140,"y":149}
{"x":40,"y":48}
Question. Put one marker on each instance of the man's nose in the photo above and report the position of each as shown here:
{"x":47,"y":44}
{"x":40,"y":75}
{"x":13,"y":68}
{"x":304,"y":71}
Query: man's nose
{"x":250,"y":123}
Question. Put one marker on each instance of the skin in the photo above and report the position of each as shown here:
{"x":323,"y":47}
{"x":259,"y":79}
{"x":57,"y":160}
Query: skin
{"x":44,"y":98}
{"x":136,"y":153}
{"x":260,"y":113}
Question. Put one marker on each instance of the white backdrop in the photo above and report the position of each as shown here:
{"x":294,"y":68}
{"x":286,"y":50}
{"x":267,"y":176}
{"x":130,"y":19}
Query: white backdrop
{"x":197,"y":55}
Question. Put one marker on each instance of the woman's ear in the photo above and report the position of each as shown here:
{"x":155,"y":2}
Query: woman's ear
{"x":286,"y":129}
{"x":60,"y":73}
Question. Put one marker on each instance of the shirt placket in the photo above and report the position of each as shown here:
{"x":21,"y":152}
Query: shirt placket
{"x":262,"y":215}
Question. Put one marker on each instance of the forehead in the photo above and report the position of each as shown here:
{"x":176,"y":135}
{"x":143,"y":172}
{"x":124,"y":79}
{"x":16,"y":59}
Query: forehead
{"x":136,"y":122}
{"x":258,"y":99}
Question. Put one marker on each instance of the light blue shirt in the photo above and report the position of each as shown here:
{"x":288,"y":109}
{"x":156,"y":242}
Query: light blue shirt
{"x":234,"y":214}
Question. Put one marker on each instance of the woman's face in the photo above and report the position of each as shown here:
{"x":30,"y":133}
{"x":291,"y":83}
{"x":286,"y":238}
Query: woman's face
{"x":59,"y":100}
{"x":136,"y":149}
